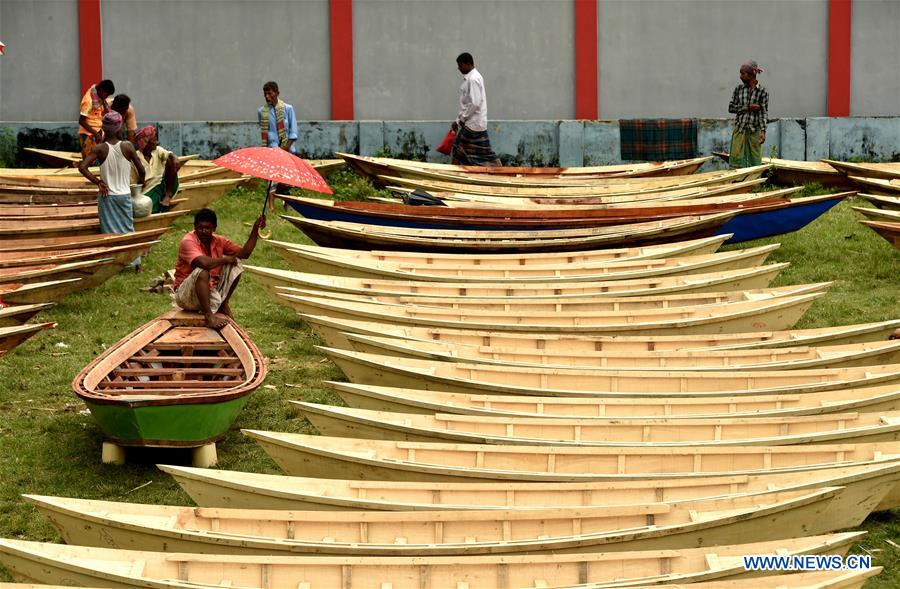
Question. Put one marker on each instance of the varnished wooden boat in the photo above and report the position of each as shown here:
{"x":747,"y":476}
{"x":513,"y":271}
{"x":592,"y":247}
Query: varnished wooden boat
{"x":67,"y":228}
{"x":171,"y":382}
{"x":884,"y":171}
{"x":837,"y":428}
{"x":19,"y":314}
{"x":37,"y":243}
{"x":429,"y":402}
{"x":72,"y":158}
{"x":649,"y":526}
{"x":877,"y":185}
{"x":798,"y":172}
{"x":332,"y":332}
{"x":121,"y":253}
{"x":889,"y":231}
{"x":775,"y":314}
{"x":249,"y":490}
{"x":310,"y":260}
{"x":348,"y":458}
{"x":42,"y":562}
{"x":17,"y":293}
{"x":461,"y":377}
{"x":367,"y":237}
{"x":883,"y":202}
{"x":41,"y":213}
{"x":883,"y":215}
{"x":864,"y":354}
{"x":373,"y":166}
{"x":12,"y":336}
{"x":706,"y":245}
{"x":728,"y":280}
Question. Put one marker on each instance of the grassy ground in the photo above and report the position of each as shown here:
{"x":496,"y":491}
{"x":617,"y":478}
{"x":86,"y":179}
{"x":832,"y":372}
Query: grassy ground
{"x":50,"y":445}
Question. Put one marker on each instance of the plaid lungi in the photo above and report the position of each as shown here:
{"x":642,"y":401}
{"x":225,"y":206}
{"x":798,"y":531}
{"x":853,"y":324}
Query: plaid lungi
{"x":658,"y":139}
{"x":473,"y":148}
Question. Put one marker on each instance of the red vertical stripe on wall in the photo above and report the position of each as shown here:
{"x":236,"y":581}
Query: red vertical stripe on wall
{"x":839,"y":38}
{"x":90,"y":43}
{"x":341,"y":59}
{"x":586,"y":59}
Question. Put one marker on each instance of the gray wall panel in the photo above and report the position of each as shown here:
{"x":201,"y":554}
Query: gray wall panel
{"x":875,"y":58}
{"x":405,"y":51}
{"x":40,"y":70}
{"x":662,"y":58}
{"x":207,"y":60}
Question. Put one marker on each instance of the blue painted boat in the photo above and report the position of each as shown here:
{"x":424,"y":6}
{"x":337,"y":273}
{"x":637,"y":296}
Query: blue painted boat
{"x":776,"y":219}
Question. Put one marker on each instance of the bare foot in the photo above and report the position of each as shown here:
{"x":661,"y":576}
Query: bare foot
{"x":213,"y":321}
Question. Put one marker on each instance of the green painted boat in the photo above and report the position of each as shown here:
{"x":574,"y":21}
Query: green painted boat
{"x":172,"y":382}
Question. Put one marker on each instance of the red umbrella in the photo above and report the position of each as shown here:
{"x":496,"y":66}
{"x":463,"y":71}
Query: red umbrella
{"x":275,"y":165}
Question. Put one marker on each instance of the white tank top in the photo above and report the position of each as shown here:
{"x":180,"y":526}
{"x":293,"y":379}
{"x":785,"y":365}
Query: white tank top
{"x":116,"y":170}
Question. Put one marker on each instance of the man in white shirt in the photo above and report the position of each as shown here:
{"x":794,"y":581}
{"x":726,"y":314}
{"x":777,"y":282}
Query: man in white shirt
{"x":472,"y":146}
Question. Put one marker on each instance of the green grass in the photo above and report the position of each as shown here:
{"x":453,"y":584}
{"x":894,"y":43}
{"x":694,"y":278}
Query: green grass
{"x":50,"y":445}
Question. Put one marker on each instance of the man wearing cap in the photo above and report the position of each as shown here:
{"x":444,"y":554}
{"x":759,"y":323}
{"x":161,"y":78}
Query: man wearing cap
{"x":750,"y":105}
{"x":114,"y":203}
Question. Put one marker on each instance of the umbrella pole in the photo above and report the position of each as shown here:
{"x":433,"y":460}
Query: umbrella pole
{"x":268,"y":196}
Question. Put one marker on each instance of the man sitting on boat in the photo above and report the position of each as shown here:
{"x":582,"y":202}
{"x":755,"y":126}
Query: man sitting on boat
{"x":161,"y":165}
{"x":209,"y":267}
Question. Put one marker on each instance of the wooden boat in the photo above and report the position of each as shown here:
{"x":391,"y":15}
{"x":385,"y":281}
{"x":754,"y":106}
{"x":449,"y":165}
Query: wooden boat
{"x":871,"y":353}
{"x":776,"y":314}
{"x":648,"y":526}
{"x":461,"y":377}
{"x":68,"y":228}
{"x":17,"y":293}
{"x":310,"y":260}
{"x":883,"y":202}
{"x":72,"y":158}
{"x":39,"y":178}
{"x":877,"y":185}
{"x":38,"y":243}
{"x":883,"y":171}
{"x":531,"y":219}
{"x":19,"y":314}
{"x":121,"y":253}
{"x":70,"y":212}
{"x":429,"y":402}
{"x":837,"y":428}
{"x":706,"y":245}
{"x":12,"y":336}
{"x":883,"y":215}
{"x":349,"y":458}
{"x":373,"y":166}
{"x":171,"y":382}
{"x":250,"y":490}
{"x":42,"y":562}
{"x":742,"y":279}
{"x":91,"y":273}
{"x":798,"y":172}
{"x":815,"y":580}
{"x":332,"y":332}
{"x":607,"y":187}
{"x":779,"y":218}
{"x":367,"y":237}
{"x":889,"y":231}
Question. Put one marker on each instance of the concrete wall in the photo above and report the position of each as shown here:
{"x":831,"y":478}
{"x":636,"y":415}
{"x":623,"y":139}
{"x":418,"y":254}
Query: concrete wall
{"x":875,"y":58}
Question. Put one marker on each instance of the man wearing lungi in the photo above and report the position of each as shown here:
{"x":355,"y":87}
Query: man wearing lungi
{"x":750,"y":104}
{"x":472,"y":146}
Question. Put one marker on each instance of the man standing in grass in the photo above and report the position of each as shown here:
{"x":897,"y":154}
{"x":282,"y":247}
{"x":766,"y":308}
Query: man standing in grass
{"x":750,"y":104}
{"x":472,"y":146}
{"x":209,"y":267}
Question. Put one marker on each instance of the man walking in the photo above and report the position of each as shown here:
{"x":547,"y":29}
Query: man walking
{"x":750,"y":104}
{"x":472,"y":146}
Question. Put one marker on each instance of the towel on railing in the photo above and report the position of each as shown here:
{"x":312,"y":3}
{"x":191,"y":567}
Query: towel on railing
{"x":658,"y":139}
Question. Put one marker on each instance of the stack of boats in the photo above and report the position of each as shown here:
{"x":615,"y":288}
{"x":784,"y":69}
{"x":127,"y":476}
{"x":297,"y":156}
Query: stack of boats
{"x":629,"y":416}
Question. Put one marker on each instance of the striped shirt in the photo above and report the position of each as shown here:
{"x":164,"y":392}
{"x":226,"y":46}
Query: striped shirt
{"x":748,"y":120}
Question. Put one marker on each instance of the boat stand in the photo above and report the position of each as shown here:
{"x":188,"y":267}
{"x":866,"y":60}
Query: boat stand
{"x":201,"y":457}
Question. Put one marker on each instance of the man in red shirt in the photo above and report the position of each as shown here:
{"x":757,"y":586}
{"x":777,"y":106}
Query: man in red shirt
{"x":209,"y":267}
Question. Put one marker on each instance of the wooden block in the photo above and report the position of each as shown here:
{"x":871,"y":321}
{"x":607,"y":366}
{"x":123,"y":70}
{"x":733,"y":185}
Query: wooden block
{"x":204,"y":456}
{"x":112,"y":454}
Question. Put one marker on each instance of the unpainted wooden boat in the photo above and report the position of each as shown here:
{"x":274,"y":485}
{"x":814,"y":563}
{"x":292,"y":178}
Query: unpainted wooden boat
{"x":773,"y":314}
{"x":332,"y":332}
{"x":889,"y":231}
{"x":250,"y":490}
{"x":798,"y":172}
{"x":883,"y":202}
{"x":373,"y":166}
{"x":18,"y":229}
{"x":729,"y":280}
{"x":877,"y":185}
{"x":883,"y":215}
{"x":348,"y":458}
{"x":650,"y":526}
{"x":70,"y":158}
{"x":881,"y":170}
{"x":38,"y":243}
{"x":863,"y":354}
{"x":311,"y":261}
{"x":465,"y":377}
{"x":123,"y":253}
{"x":40,"y":178}
{"x":17,"y":293}
{"x":19,"y":314}
{"x":836,"y":428}
{"x":91,"y":273}
{"x":367,"y":237}
{"x":171,"y":382}
{"x":12,"y":336}
{"x":43,"y":562}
